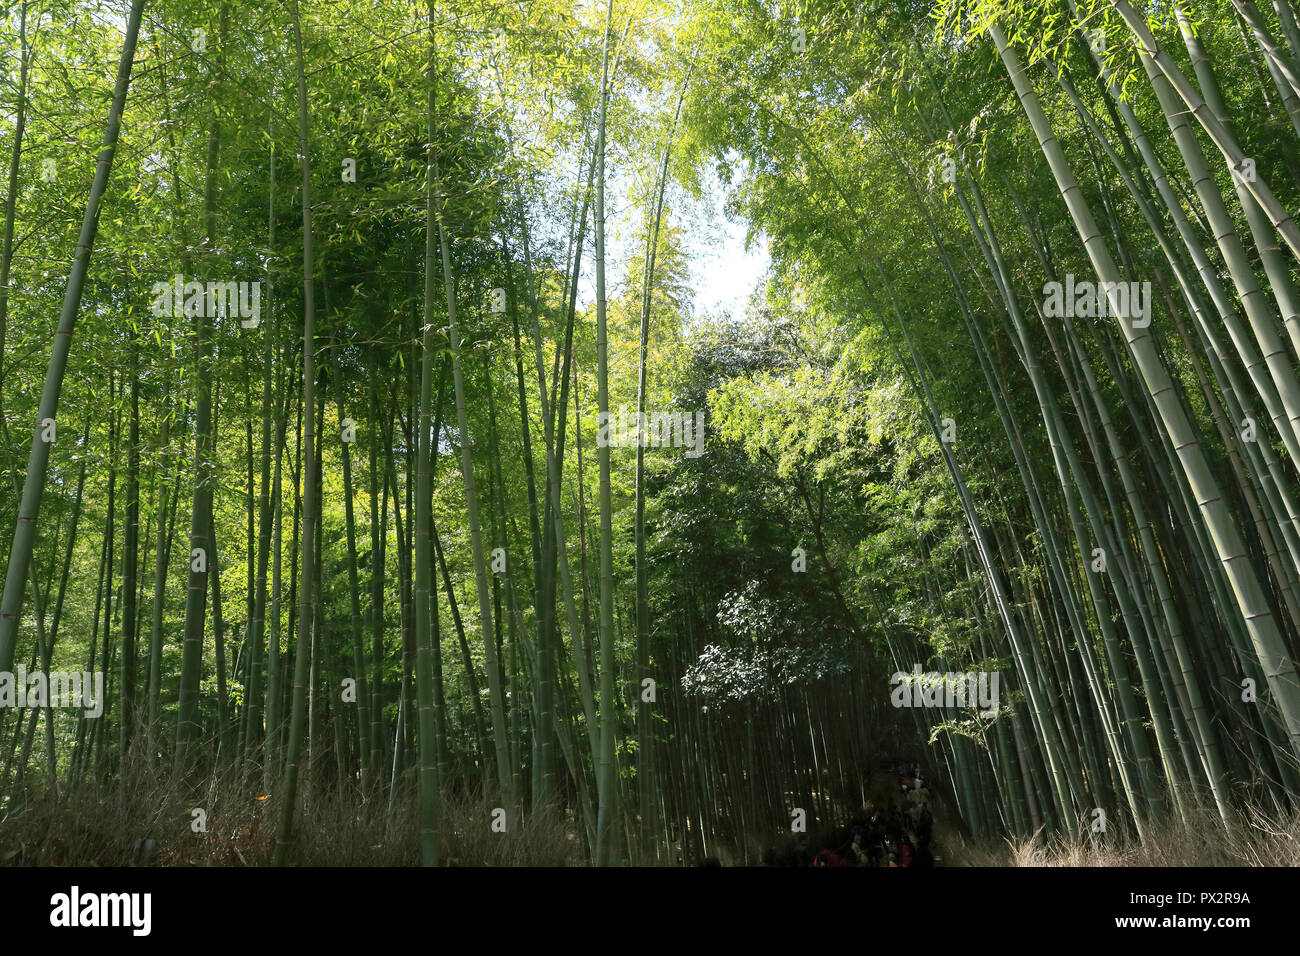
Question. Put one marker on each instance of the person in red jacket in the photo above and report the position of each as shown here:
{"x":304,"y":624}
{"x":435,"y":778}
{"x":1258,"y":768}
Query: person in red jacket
{"x":827,"y":857}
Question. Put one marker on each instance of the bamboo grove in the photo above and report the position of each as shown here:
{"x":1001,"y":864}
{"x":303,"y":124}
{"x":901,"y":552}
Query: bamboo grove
{"x":317,"y":319}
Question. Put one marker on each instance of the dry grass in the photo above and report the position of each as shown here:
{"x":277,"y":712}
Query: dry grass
{"x":148,"y":822}
{"x":1253,"y":838}
{"x":111,"y":825}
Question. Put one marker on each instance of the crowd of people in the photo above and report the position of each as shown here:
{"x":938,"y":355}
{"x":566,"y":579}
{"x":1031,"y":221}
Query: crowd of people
{"x":895,"y":835}
{"x":892,"y":833}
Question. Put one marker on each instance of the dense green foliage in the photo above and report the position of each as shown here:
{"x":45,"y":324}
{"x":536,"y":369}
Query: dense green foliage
{"x":420,"y":565}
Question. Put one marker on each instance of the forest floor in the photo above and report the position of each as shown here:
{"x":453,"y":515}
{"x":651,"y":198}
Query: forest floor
{"x":153,"y":822}
{"x":1254,"y":838}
